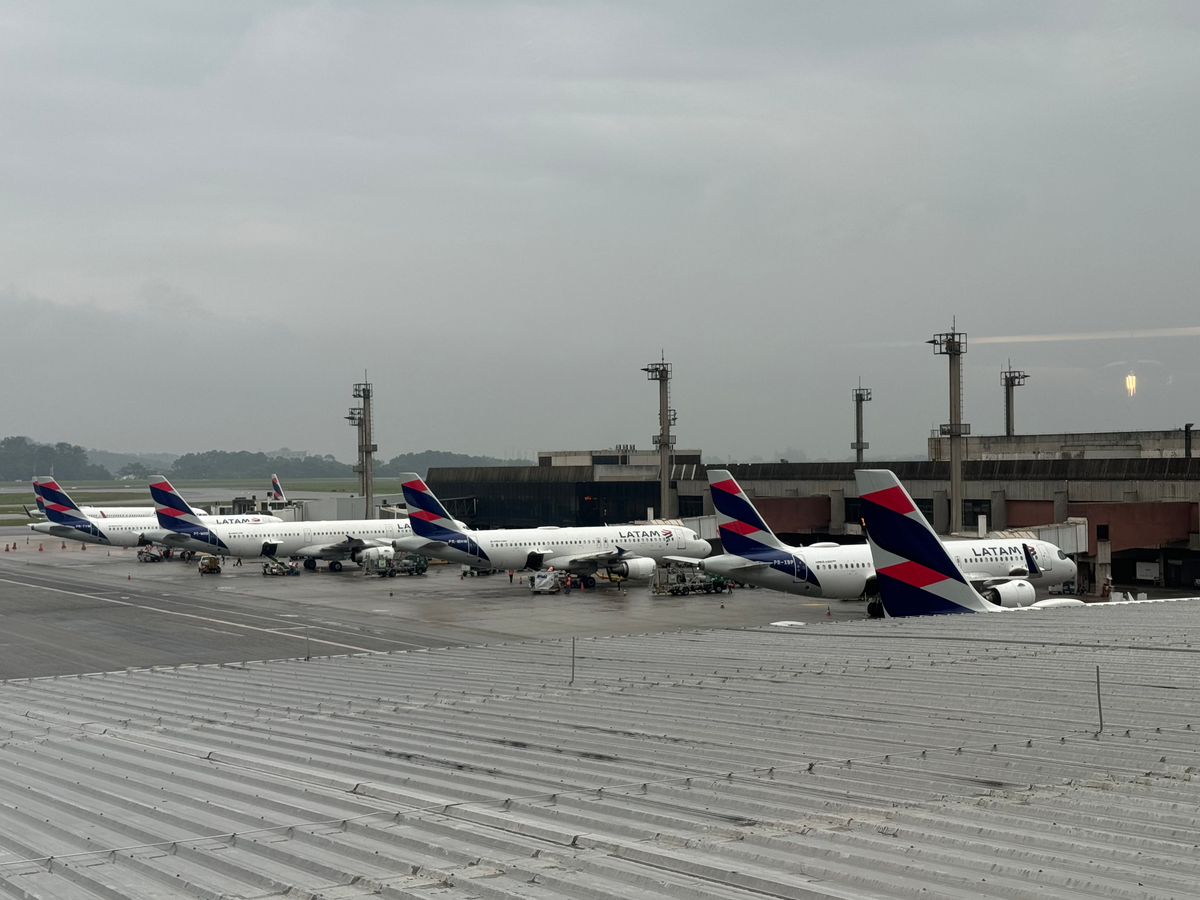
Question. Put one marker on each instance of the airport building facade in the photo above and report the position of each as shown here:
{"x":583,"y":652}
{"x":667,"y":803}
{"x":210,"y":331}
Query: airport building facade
{"x":1141,"y":510}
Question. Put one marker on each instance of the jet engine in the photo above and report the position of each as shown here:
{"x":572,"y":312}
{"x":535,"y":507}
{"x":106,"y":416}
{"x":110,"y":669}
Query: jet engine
{"x":1012,"y":594}
{"x":634,"y":569}
{"x":375,"y":556}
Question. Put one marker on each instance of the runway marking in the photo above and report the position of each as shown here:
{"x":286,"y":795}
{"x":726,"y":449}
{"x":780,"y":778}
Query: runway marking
{"x":171,"y":612}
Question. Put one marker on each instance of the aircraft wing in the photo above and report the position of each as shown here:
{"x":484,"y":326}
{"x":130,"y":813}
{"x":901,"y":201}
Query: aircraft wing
{"x":601,"y":556}
{"x":173,"y":538}
{"x":63,"y":531}
{"x":349,"y":545}
{"x":683,"y":560}
{"x":748,"y":565}
{"x":981,"y":580}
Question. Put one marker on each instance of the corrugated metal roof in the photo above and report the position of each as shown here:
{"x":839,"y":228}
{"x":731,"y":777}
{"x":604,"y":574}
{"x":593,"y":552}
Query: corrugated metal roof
{"x":949,"y":758}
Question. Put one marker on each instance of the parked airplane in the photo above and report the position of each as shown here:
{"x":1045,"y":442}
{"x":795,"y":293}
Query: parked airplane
{"x":917,"y":572}
{"x":754,"y":555}
{"x":66,"y":520}
{"x":622,"y":551}
{"x":142,"y":512}
{"x":334,"y":541}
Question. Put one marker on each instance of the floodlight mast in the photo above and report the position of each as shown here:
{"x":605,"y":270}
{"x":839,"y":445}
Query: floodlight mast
{"x":1010,"y":378}
{"x":366,"y":447}
{"x":664,"y":440}
{"x":861,"y":395}
{"x":954,"y":344}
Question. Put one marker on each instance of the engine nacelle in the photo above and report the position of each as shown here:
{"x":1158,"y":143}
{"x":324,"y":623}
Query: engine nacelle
{"x":374,"y":556}
{"x":633,"y":569}
{"x":1012,"y":594}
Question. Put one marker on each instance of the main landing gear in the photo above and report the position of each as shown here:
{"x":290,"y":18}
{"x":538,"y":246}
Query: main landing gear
{"x":310,"y":564}
{"x":335,"y":566}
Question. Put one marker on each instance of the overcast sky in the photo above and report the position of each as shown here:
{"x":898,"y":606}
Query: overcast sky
{"x":214,"y":216}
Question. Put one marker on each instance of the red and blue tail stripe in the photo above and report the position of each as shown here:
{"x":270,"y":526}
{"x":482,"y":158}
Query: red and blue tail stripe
{"x":277,"y":489}
{"x":430,"y":520}
{"x":61,"y":509}
{"x":915,"y":574}
{"x":174,"y":514}
{"x":745,"y":533}
{"x":37,"y":497}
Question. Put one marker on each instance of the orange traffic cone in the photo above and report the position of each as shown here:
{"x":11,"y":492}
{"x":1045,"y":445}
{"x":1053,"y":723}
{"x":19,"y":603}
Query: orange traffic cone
{"x":64,"y":546}
{"x":6,"y":548}
{"x":129,"y":578}
{"x":83,"y":546}
{"x":828,"y":612}
{"x":39,"y":548}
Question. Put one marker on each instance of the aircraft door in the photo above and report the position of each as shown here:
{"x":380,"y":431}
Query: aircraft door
{"x":680,"y":539}
{"x":799,"y":570}
{"x":307,"y":536}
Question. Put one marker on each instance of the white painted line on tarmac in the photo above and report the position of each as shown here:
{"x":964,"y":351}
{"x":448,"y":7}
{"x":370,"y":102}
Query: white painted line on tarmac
{"x":171,"y":612}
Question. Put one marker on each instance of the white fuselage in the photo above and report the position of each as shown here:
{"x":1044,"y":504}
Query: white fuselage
{"x":842,"y":572}
{"x":315,"y":540}
{"x":129,"y":531}
{"x":581,"y":550}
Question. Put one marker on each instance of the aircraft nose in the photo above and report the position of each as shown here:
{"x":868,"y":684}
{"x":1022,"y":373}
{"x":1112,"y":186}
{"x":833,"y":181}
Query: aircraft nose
{"x":704,"y":546}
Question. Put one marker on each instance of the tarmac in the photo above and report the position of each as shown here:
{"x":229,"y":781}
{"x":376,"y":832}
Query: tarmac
{"x":75,"y":610}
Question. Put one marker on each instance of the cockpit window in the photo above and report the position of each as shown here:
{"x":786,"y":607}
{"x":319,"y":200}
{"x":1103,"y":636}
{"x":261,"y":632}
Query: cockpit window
{"x":1061,"y":555}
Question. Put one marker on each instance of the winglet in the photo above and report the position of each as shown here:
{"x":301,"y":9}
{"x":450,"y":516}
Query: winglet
{"x":743,"y":531}
{"x":277,"y":490}
{"x":1031,"y":565}
{"x":915,"y":574}
{"x":37,"y":496}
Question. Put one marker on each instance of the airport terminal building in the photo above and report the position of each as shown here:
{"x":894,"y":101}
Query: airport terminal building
{"x":1139,"y":493}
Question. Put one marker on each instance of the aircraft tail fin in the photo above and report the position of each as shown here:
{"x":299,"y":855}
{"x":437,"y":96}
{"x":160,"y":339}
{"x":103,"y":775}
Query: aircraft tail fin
{"x":37,"y":496}
{"x":743,"y":531}
{"x":171,"y":510}
{"x":915,"y":573}
{"x":428,"y":518}
{"x":56,"y":503}
{"x":277,"y":490}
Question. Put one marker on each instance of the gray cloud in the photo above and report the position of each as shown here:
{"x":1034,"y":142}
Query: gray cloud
{"x":504,"y":210}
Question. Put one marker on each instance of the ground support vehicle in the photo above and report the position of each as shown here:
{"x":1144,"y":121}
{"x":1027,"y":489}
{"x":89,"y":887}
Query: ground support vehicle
{"x":410,"y":564}
{"x":149,"y":555}
{"x":274,"y":567}
{"x":684,"y":580}
{"x":547,"y":581}
{"x":209,"y":565}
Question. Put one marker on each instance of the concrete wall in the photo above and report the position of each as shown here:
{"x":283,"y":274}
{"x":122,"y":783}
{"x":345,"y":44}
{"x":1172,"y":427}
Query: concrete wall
{"x":1078,"y":445}
{"x":795,"y":515}
{"x":1138,"y":525}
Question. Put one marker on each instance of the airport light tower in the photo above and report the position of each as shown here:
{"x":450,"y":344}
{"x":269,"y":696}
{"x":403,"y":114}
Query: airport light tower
{"x":861,"y":396}
{"x":664,"y":440}
{"x":954,"y":344}
{"x":361,"y":417}
{"x":1010,"y":378}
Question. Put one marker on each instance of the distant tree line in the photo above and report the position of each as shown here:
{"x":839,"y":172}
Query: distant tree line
{"x":244,"y":464}
{"x":21,"y":459}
